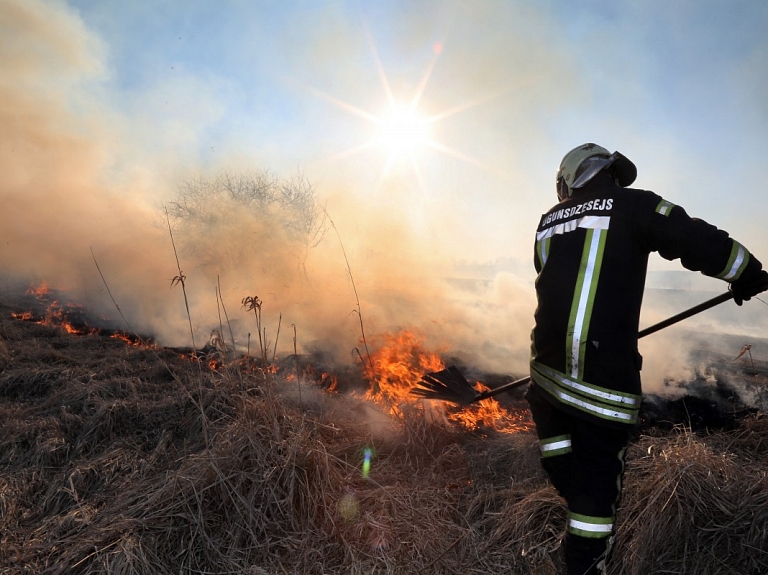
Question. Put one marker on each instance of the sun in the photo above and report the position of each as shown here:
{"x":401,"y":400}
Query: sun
{"x":402,"y":131}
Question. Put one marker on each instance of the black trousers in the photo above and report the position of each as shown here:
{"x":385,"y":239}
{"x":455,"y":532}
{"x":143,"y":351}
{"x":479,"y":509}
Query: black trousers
{"x":585,"y":463}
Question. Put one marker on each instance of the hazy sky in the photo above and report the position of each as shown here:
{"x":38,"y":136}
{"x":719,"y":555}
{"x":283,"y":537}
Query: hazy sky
{"x":679,"y":87}
{"x":109,"y":106}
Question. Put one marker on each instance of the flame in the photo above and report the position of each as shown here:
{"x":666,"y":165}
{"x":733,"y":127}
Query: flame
{"x":39,"y":291}
{"x":70,"y":317}
{"x":488,"y":413}
{"x":56,"y":314}
{"x":393,"y":369}
{"x":398,"y":364}
{"x":130,"y":339}
{"x":329,"y":381}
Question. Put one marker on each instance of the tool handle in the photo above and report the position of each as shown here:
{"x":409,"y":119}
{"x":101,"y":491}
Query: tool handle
{"x":501,"y":389}
{"x":704,"y":306}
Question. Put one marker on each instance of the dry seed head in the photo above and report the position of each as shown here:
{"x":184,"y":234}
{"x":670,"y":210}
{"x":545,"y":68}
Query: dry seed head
{"x":251,"y":302}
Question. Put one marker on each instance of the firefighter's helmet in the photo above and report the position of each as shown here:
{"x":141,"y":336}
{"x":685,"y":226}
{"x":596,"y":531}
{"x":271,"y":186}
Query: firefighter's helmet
{"x":582,"y":164}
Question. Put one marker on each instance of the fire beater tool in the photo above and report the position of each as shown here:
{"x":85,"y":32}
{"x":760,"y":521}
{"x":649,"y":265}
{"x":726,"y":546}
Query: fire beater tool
{"x":450,"y":385}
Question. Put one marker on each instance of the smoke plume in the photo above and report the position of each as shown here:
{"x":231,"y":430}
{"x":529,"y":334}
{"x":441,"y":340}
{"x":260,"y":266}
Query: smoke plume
{"x":82,"y":181}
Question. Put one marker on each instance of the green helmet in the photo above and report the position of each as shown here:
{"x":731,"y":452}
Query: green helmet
{"x":582,"y":164}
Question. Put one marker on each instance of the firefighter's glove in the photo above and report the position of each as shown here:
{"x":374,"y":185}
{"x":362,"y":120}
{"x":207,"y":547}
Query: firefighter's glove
{"x":744,"y":289}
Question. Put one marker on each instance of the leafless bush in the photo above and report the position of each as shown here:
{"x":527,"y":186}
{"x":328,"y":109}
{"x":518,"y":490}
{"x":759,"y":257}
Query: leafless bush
{"x":231,"y":217}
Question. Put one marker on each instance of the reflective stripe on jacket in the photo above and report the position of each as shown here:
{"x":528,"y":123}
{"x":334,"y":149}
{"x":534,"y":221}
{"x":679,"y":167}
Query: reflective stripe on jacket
{"x":591,"y":255}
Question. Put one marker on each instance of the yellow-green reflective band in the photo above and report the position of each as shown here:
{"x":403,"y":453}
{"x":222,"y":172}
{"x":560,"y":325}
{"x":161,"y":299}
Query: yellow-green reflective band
{"x":664,"y":208}
{"x":543,"y":249}
{"x":588,"y":526}
{"x":558,"y":445}
{"x":582,"y":387}
{"x":737,"y":262}
{"x":593,"y":406}
{"x":583,"y":299}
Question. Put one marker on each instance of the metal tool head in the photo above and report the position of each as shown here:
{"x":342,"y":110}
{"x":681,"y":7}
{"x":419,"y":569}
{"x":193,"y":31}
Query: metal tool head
{"x":446,"y":385}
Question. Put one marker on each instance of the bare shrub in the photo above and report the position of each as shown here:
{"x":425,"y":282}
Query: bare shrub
{"x":226,"y":219}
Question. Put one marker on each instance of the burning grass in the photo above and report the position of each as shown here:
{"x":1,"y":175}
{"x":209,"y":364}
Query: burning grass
{"x":105,"y":468}
{"x":396,"y":366}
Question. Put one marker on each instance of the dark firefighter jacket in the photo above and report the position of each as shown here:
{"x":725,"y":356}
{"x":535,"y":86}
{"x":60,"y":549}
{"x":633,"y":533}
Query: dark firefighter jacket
{"x":591,"y":257}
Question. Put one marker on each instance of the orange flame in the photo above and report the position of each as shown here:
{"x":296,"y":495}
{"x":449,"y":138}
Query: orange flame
{"x":329,"y":381}
{"x":488,"y":413}
{"x":130,"y":340}
{"x":398,"y":364}
{"x":39,"y":291}
{"x":56,"y":314}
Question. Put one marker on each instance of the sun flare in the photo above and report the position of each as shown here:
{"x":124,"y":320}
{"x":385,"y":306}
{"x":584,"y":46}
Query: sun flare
{"x":403,"y":131}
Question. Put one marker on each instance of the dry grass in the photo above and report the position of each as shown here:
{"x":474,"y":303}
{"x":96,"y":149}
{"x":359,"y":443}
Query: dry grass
{"x":697,"y":504}
{"x":103,"y":469}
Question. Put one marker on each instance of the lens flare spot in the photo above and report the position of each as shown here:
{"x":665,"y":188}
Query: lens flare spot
{"x":367,"y":461}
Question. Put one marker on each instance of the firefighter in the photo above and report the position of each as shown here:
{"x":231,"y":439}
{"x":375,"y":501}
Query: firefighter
{"x":591,"y":255}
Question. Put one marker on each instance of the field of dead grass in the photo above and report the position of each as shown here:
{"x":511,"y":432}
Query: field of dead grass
{"x":105,"y":468}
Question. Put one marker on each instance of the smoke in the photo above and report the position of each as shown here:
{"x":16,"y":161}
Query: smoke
{"x":666,"y":358}
{"x":68,"y":198}
{"x":82,"y":178}
{"x":366,"y":271}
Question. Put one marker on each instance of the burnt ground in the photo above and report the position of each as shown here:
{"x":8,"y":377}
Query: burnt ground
{"x":121,"y":457}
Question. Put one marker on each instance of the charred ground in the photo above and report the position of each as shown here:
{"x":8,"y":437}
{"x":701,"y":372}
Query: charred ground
{"x":125,"y":458}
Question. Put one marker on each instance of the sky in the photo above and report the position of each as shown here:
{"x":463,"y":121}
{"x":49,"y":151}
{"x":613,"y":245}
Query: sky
{"x":429,"y":131}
